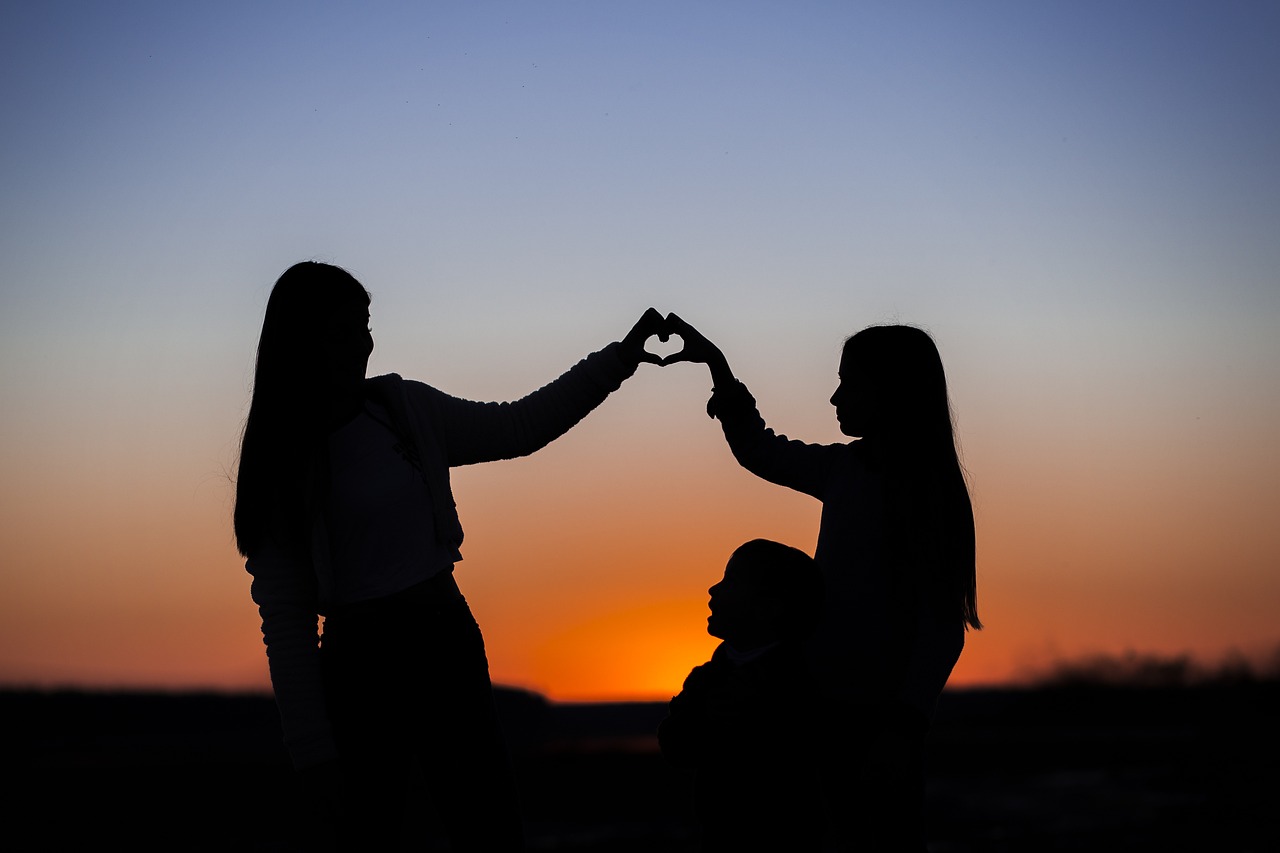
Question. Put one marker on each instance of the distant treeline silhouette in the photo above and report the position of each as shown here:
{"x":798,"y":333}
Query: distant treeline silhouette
{"x":1135,"y":669}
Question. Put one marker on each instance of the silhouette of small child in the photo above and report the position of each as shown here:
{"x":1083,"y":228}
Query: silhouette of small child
{"x":744,"y":721}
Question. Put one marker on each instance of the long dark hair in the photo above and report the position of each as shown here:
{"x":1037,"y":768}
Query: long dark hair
{"x":930,"y":515}
{"x":283,"y":433}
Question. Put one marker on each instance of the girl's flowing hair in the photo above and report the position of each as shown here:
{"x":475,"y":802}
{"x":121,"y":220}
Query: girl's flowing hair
{"x":284,"y":432}
{"x":930,"y":515}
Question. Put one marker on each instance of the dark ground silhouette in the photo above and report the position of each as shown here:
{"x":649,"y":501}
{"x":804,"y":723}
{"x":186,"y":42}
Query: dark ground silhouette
{"x":1079,"y":766}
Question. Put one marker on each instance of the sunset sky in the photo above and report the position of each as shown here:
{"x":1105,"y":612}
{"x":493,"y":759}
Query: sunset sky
{"x":1080,"y":201}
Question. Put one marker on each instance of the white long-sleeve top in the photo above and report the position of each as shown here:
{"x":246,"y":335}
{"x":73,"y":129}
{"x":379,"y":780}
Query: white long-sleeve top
{"x":292,"y":590}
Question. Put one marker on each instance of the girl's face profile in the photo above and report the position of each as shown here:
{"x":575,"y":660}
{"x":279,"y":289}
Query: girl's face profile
{"x":855,"y":408}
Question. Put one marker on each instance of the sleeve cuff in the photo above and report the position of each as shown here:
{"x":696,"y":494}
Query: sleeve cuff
{"x":729,"y":400}
{"x":608,"y":367}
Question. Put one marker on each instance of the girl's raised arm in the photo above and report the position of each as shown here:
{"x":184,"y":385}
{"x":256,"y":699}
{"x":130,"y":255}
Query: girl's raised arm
{"x":699,"y":349}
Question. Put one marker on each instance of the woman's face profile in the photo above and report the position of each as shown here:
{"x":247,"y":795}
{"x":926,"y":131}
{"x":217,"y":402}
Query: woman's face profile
{"x":346,"y":342}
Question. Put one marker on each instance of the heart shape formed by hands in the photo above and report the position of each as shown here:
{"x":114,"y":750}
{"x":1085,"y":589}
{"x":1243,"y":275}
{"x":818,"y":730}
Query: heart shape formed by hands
{"x":664,"y":350}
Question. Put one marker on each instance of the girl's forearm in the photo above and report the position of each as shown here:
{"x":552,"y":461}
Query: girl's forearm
{"x":721,"y":373}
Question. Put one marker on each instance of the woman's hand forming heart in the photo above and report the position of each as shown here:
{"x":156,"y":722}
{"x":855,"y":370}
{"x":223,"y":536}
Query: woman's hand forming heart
{"x":650,"y":323}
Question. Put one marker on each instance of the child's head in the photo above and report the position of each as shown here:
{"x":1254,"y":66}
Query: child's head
{"x":769,"y":592}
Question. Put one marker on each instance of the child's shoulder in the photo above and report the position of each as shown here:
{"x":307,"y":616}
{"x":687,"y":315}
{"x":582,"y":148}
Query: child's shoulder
{"x":709,"y":671}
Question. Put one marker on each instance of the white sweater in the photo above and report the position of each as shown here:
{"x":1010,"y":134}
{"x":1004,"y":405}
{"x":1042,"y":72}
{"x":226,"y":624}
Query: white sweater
{"x":292,"y":590}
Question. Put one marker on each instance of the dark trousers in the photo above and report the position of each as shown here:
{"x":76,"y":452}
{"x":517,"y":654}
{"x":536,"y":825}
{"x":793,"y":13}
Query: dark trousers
{"x":407,"y":681}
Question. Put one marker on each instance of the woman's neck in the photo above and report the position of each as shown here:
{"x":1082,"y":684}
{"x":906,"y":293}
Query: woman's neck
{"x":345,"y":407}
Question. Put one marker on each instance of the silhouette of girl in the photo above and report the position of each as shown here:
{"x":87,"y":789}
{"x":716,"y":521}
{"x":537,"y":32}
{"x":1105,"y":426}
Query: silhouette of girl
{"x":344,"y":510}
{"x":896,"y":551}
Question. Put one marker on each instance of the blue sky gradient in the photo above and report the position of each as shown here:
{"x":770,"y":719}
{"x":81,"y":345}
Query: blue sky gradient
{"x":1080,"y":200}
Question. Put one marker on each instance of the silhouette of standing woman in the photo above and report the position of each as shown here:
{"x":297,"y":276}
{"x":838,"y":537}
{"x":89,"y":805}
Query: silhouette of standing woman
{"x":896,"y":551}
{"x":344,"y":510}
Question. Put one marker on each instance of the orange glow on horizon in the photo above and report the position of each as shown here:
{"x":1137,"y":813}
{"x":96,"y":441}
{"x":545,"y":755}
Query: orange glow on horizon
{"x":587,"y":564}
{"x":637,"y":653}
